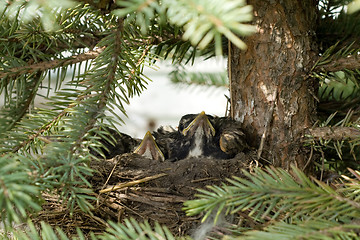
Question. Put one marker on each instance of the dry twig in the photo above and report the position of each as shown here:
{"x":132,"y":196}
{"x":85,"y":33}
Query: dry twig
{"x":132,"y":183}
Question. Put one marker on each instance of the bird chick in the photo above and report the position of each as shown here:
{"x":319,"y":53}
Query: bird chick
{"x":168,"y":140}
{"x":149,"y":149}
{"x":232,"y":139}
{"x":113,"y":143}
{"x":208,"y":136}
{"x":198,"y":134}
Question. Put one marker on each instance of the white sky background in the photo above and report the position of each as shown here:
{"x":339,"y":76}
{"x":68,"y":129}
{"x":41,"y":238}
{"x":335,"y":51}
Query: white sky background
{"x":165,"y":102}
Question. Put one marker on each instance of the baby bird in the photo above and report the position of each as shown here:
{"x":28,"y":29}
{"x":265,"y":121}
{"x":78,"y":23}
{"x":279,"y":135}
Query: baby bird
{"x":149,"y":149}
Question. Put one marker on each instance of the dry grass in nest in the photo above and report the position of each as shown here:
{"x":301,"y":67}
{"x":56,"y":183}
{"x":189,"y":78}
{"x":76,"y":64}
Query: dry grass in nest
{"x":129,"y":186}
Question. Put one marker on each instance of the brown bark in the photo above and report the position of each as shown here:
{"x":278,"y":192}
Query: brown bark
{"x":270,"y":89}
{"x":334,"y":133}
{"x":351,"y":62}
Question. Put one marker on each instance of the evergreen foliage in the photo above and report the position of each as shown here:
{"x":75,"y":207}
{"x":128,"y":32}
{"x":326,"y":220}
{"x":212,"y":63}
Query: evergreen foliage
{"x":280,"y":205}
{"x":18,"y":193}
{"x":283,"y":206}
{"x":181,"y":76}
{"x":338,"y":75}
{"x":275,"y":194}
{"x":103,"y":47}
{"x":129,"y":230}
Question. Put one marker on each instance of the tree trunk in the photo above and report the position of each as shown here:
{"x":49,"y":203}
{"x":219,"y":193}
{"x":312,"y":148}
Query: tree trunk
{"x":271,"y":91}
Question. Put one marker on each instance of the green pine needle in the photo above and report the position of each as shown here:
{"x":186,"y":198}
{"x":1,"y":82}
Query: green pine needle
{"x":275,"y":193}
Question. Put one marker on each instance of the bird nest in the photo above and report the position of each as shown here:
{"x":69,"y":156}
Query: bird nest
{"x":131,"y":186}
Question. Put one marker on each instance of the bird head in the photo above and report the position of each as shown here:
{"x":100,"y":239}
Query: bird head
{"x":201,"y":125}
{"x":148,"y":148}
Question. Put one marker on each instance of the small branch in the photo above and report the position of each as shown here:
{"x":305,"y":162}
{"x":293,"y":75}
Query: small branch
{"x":42,"y":66}
{"x":351,"y":62}
{"x":132,"y":183}
{"x":32,"y":89}
{"x":42,"y":130}
{"x":103,"y":96}
{"x":48,"y":126}
{"x":334,"y":133}
{"x":140,"y":60}
{"x":83,"y":57}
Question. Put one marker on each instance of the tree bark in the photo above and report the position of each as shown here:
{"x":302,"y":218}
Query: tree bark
{"x":271,"y":91}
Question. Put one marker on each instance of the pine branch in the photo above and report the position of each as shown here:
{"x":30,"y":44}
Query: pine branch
{"x":335,"y":59}
{"x":79,"y":39}
{"x":102,"y":96}
{"x":141,"y":231}
{"x":61,"y":114}
{"x":337,"y":25}
{"x":334,"y":133}
{"x":46,"y":127}
{"x":310,"y":230}
{"x":341,"y":106}
{"x":18,"y":193}
{"x":351,"y":62}
{"x":22,"y":103}
{"x":183,"y":76}
{"x":82,"y":108}
{"x":42,"y":66}
{"x":335,"y":136}
{"x":203,"y":22}
{"x":275,"y":194}
{"x":130,"y":230}
{"x":46,"y":232}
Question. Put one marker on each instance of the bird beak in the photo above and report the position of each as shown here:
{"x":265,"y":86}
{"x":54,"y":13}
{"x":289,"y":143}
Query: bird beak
{"x":148,"y":148}
{"x":202,"y":121}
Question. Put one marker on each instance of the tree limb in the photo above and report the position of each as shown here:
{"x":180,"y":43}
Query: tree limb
{"x":42,"y":66}
{"x":334,"y":133}
{"x":351,"y":62}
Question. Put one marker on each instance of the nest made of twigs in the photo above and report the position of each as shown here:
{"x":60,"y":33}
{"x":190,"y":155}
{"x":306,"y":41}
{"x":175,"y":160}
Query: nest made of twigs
{"x":130,"y":186}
